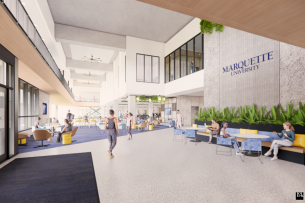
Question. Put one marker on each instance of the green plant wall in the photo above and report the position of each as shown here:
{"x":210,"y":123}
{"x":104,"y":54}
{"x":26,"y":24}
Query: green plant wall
{"x":253,"y":114}
{"x":208,"y":27}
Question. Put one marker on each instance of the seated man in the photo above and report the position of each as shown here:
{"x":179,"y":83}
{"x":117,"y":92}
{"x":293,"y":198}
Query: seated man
{"x":141,"y":120}
{"x":54,"y":120}
{"x":213,"y":130}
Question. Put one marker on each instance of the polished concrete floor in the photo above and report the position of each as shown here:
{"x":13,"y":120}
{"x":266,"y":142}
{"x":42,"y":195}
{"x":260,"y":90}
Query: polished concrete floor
{"x":154,"y":168}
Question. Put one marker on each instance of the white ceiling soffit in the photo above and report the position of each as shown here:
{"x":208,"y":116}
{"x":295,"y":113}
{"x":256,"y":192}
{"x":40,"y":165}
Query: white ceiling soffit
{"x":78,"y":64}
{"x":121,"y":17}
{"x":79,"y":52}
{"x":93,"y":77}
{"x":89,"y":38}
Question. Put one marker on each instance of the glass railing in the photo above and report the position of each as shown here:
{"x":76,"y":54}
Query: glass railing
{"x":17,"y":10}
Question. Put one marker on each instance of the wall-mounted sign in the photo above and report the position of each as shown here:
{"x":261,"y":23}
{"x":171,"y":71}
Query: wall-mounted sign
{"x":248,"y":65}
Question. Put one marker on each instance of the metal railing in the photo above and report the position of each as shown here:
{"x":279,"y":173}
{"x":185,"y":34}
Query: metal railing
{"x":22,"y":18}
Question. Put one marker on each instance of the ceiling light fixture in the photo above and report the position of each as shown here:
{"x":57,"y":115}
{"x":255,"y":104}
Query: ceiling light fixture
{"x":149,"y":100}
{"x":89,"y":75}
{"x":159,"y":98}
{"x":91,"y":59}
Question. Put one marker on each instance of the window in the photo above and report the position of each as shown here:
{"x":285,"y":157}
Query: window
{"x":172,"y":67}
{"x":177,"y":64}
{"x":198,"y":53}
{"x":167,"y":69}
{"x":190,"y":57}
{"x":147,"y":68}
{"x":185,"y":60}
{"x":28,"y":105}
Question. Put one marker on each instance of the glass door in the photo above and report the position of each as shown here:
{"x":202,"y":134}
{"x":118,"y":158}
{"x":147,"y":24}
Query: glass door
{"x":3,"y":141}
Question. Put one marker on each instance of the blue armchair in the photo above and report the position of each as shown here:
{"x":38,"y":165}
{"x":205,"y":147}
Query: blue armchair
{"x":224,"y":141}
{"x":252,"y":145}
{"x":178,"y":131}
{"x":190,"y":133}
{"x":122,"y":127}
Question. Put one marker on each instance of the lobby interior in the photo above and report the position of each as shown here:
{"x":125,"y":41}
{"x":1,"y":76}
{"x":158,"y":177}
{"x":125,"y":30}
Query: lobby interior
{"x":238,"y":65}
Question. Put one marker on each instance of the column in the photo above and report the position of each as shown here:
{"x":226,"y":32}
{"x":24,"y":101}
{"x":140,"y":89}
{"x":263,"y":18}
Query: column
{"x":132,"y":107}
{"x":116,"y":108}
{"x":102,"y":111}
{"x":150,"y":109}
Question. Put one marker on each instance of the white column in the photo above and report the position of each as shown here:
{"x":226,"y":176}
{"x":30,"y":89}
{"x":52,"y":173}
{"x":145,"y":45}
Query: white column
{"x":132,"y":107}
{"x":116,"y":108}
{"x":102,"y":111}
{"x":150,"y":109}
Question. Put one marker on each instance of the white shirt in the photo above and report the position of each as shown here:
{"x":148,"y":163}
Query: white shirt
{"x":179,"y":117}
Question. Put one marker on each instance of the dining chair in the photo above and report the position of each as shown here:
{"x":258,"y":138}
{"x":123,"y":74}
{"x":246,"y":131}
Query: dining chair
{"x":253,"y":145}
{"x":178,"y":131}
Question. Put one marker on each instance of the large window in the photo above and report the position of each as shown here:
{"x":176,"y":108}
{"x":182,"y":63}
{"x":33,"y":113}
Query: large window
{"x":147,"y":68}
{"x":28,"y":105}
{"x":185,"y":60}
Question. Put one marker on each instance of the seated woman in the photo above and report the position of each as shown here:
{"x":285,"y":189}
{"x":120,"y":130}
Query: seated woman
{"x":67,"y":128}
{"x":224,"y":134}
{"x":86,"y":118}
{"x":288,"y":137}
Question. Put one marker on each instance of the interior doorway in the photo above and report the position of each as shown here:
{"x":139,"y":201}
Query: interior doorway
{"x":194,"y":112}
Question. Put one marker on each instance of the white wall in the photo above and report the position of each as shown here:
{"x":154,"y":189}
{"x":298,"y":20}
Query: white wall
{"x":185,"y":85}
{"x":142,"y":46}
{"x":188,"y":32}
{"x":114,"y":87}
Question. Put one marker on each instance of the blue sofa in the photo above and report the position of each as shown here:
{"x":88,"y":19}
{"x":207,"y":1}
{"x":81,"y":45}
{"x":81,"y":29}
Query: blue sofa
{"x":168,"y":123}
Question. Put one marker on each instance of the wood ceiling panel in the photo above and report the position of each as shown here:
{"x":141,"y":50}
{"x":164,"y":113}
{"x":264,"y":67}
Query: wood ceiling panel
{"x":280,"y":20}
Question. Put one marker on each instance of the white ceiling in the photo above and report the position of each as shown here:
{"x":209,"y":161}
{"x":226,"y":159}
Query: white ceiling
{"x":195,"y":94}
{"x":92,"y":72}
{"x":78,"y":52}
{"x":121,"y":17}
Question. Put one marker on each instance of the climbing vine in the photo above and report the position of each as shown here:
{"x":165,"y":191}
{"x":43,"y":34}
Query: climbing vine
{"x":208,"y":27}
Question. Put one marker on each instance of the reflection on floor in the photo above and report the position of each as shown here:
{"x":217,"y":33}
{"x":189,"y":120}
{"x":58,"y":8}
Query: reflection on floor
{"x":154,"y":168}
{"x":83,"y":134}
{"x":61,"y":178}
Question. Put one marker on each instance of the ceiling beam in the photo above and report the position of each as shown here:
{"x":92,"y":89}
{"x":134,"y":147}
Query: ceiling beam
{"x":78,"y":64}
{"x":84,"y":37}
{"x":79,"y":76}
{"x":81,"y":84}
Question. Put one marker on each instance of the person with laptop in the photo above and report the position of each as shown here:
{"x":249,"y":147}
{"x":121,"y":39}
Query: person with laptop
{"x":214,"y":129}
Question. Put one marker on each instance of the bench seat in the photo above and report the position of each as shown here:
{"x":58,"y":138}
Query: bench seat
{"x":265,"y":144}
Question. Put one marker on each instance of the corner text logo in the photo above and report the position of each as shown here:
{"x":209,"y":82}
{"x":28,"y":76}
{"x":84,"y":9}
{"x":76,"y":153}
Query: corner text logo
{"x":299,"y":196}
{"x":248,"y":65}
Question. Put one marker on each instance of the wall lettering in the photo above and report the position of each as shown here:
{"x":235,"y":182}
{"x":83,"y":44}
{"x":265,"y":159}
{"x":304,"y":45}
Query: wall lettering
{"x":248,"y":65}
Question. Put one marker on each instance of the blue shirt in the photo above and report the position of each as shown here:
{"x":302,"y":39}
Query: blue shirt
{"x":141,"y":121}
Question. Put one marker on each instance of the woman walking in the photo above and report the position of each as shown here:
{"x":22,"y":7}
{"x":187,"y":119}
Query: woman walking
{"x":129,"y":125}
{"x":111,"y":125}
{"x":287,"y":141}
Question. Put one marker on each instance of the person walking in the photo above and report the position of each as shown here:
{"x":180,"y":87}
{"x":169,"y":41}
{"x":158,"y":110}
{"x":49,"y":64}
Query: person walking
{"x":70,"y":116}
{"x":129,"y":125}
{"x":179,"y":119}
{"x":111,"y":125}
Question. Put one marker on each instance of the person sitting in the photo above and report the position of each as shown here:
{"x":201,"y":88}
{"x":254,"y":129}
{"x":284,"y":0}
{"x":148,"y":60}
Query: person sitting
{"x":37,"y":123}
{"x":141,"y":120}
{"x":224,"y":134}
{"x":86,"y":117}
{"x":214,"y":129}
{"x":160,"y":119}
{"x":67,"y":128}
{"x":287,"y":136}
{"x":138,"y":120}
{"x":54,"y":120}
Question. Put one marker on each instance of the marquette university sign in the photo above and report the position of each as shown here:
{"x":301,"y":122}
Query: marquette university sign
{"x":248,"y":65}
